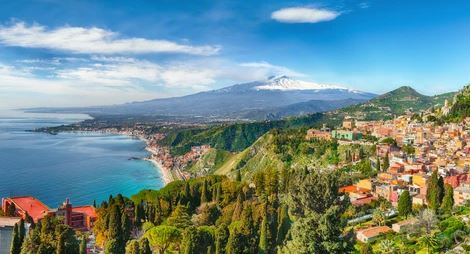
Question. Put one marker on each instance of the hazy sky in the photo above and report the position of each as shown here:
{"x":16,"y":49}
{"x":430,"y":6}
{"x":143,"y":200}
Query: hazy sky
{"x":77,"y":53}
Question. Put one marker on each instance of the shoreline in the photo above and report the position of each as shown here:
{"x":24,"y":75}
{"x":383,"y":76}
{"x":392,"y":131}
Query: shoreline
{"x":166,"y":173}
{"x":167,"y":176}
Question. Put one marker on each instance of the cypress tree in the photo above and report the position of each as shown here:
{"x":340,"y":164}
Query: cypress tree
{"x":83,"y":245}
{"x":283,"y":225}
{"x":11,"y":211}
{"x":22,"y":232}
{"x":221,"y":237}
{"x":386,"y":162}
{"x":377,"y":163}
{"x":432,"y":195}
{"x":239,"y":176}
{"x":133,"y":247}
{"x":94,"y":203}
{"x":204,"y":193}
{"x":145,"y":246}
{"x":238,"y":206}
{"x":138,"y":214}
{"x":440,"y":189}
{"x":126,"y":227}
{"x":115,"y":231}
{"x":448,"y":201}
{"x":405,"y":204}
{"x":15,"y":241}
{"x":263,"y":240}
{"x":60,"y":249}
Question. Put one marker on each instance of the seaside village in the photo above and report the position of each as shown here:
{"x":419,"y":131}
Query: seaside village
{"x":442,"y":148}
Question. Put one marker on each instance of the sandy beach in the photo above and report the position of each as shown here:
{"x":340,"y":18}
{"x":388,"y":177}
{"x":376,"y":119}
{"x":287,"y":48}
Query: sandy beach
{"x":166,"y":172}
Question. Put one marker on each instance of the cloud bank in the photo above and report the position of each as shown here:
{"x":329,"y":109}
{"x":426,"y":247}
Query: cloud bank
{"x":92,"y":41}
{"x":304,"y":15}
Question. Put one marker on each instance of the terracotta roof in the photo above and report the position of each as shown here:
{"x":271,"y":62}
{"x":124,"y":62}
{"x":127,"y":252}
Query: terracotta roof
{"x":352,"y":188}
{"x":362,"y":201}
{"x":374,"y":231}
{"x":35,"y":208}
{"x":89,"y":210}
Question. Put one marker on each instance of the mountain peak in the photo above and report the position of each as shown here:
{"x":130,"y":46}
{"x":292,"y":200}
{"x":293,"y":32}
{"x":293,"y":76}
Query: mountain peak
{"x":285,"y":83}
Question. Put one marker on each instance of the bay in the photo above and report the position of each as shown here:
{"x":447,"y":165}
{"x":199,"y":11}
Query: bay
{"x":81,"y":166}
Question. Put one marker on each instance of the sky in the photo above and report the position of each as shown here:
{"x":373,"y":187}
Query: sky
{"x":81,"y":53}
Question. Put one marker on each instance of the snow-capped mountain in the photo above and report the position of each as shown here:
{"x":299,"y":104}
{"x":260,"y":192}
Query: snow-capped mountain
{"x":241,"y":100}
{"x":285,"y":83}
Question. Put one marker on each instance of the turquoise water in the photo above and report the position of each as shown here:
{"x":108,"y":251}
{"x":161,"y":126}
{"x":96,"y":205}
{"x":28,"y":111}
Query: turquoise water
{"x":81,"y":166}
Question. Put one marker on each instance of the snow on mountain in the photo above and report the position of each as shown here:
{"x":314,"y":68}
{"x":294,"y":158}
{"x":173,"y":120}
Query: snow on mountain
{"x":285,"y":83}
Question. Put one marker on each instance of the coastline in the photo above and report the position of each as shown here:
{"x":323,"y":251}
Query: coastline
{"x":167,"y":176}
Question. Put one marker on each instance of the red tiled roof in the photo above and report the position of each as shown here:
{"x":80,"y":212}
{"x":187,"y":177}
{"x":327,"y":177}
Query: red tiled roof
{"x":88,"y":210}
{"x":352,"y":188}
{"x":362,"y":201}
{"x":35,"y":208}
{"x":374,"y":231}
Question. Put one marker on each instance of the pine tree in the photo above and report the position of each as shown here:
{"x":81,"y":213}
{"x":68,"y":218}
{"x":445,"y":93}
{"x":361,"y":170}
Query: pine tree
{"x":448,"y":200}
{"x":263,"y":240}
{"x":405,"y":204}
{"x":83,"y":245}
{"x":145,"y":246}
{"x":15,"y":247}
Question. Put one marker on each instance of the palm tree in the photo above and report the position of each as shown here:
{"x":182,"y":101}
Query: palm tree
{"x":459,"y":236}
{"x":378,"y":217}
{"x":387,"y":247}
{"x":429,"y":242}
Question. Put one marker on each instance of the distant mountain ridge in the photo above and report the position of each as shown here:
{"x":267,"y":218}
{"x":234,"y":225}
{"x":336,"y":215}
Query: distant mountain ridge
{"x":257,"y":100}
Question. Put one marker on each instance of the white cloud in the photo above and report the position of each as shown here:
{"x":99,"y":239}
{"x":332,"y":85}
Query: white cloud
{"x":304,"y":15}
{"x":99,"y":80}
{"x":91,"y":41}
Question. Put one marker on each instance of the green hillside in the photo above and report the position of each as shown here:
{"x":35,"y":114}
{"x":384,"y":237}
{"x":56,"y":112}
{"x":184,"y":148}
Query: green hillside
{"x":239,"y":136}
{"x":461,"y":107}
{"x":396,"y":102}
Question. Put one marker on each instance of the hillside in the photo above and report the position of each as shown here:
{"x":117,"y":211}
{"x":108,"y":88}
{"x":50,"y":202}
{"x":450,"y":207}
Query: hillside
{"x":461,"y":105}
{"x":237,"y":137}
{"x":393,"y":103}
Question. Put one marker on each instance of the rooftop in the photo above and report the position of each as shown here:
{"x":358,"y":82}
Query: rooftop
{"x":31,"y":205}
{"x":88,"y":210}
{"x":374,"y":231}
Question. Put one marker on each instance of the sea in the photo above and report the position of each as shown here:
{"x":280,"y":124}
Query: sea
{"x":85,"y":167}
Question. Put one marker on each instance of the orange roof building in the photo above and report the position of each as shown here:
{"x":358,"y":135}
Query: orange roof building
{"x":80,"y":217}
{"x":369,"y":234}
{"x":26,"y":205}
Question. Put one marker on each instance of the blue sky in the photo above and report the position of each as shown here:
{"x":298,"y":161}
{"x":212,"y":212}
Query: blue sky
{"x":77,"y":53}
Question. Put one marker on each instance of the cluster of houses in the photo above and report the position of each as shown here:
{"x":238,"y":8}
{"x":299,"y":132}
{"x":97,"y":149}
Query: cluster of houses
{"x":79,"y":217}
{"x":442,"y":148}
